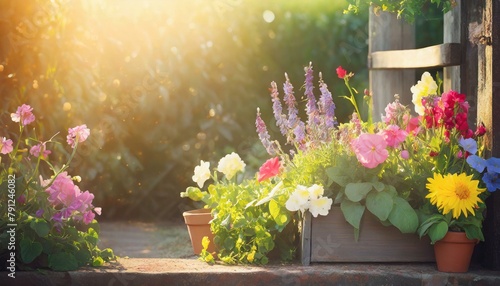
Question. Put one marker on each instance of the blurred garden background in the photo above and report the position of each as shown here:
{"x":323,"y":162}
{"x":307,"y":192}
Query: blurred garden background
{"x":163,"y":84}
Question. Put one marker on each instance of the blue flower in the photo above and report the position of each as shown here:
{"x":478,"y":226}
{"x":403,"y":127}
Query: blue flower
{"x":469,"y":145}
{"x":476,"y":162}
{"x":492,"y":181}
{"x":493,"y":165}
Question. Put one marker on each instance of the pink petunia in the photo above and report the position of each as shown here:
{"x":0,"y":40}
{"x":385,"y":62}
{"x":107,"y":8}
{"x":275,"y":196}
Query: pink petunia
{"x":5,"y":145}
{"x":40,"y":149}
{"x":370,"y":149}
{"x":77,"y":134}
{"x":394,"y":136}
{"x":23,"y":114}
{"x":269,"y":169}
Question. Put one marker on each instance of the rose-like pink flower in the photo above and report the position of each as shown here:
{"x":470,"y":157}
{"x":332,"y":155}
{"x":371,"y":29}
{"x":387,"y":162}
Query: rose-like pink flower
{"x":394,"y":136}
{"x":341,"y":73}
{"x":23,"y":114}
{"x":40,"y":148}
{"x":269,"y":169}
{"x":77,"y":134}
{"x":5,"y":145}
{"x":370,"y":149}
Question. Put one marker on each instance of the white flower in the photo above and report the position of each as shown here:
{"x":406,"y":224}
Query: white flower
{"x":299,"y":199}
{"x":320,"y":206}
{"x":316,"y":191}
{"x":230,"y":165}
{"x":425,"y":86}
{"x":201,"y":173}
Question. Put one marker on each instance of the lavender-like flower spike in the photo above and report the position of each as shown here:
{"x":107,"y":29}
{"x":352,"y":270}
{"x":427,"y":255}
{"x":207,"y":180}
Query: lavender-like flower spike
{"x":327,"y":107}
{"x":311,"y":107}
{"x":291,"y":103}
{"x":277,"y":109}
{"x":300,"y":135}
{"x":264,"y":135}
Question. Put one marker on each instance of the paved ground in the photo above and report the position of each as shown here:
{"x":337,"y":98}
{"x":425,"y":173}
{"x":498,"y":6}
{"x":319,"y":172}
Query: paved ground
{"x":146,"y":240}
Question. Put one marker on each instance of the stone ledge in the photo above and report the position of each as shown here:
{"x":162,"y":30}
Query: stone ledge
{"x":152,"y":271}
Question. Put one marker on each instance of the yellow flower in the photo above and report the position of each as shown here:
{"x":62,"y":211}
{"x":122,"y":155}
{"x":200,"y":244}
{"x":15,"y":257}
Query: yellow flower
{"x":425,"y":86}
{"x":454,"y":192}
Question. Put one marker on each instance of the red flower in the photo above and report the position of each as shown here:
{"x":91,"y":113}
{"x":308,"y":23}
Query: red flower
{"x":341,"y":73}
{"x":481,"y":130}
{"x":269,"y":169}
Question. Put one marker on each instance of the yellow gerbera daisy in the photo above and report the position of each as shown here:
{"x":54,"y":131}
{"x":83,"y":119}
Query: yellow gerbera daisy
{"x":454,"y":192}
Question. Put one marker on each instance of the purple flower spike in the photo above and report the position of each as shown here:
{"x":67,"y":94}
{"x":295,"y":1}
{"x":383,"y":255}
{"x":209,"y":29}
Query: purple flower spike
{"x":327,"y":107}
{"x":277,"y":109}
{"x":264,"y":135}
{"x":311,"y":107}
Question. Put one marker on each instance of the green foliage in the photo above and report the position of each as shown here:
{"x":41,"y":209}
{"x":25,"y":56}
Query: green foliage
{"x":162,"y":84}
{"x":248,"y":232}
{"x":408,"y":9}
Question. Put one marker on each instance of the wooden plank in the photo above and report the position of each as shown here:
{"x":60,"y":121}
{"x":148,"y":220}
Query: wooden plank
{"x":447,"y":54}
{"x":452,"y":34}
{"x":306,"y":240}
{"x":332,"y":240}
{"x":387,"y":32}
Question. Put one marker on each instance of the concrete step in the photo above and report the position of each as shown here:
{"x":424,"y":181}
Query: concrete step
{"x":190,"y":271}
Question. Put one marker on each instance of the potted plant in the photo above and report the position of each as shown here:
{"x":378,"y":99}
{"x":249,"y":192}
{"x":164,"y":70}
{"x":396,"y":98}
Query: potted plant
{"x":387,"y":169}
{"x":198,"y":220}
{"x":47,"y":221}
{"x":363,"y":178}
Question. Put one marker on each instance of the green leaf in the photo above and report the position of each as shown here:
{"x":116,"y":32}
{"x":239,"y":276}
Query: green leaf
{"x":107,"y":254}
{"x":63,"y":261}
{"x":98,"y":261}
{"x":337,"y":175}
{"x":357,"y":191}
{"x":473,"y":231}
{"x":83,"y":256}
{"x":379,"y":186}
{"x":30,"y":250}
{"x":380,"y":204}
{"x":41,"y":227}
{"x":403,"y":216}
{"x":438,"y":231}
{"x":278,"y":213}
{"x":423,"y":229}
{"x":353,"y":212}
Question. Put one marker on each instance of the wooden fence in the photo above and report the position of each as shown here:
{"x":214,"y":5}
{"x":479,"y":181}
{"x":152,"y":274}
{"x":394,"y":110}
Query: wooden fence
{"x":470,"y":58}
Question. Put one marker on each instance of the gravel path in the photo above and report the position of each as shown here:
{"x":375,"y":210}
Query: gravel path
{"x":146,"y":240}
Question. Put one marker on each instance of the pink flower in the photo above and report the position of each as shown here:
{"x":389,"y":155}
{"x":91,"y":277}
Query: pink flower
{"x":77,"y":134}
{"x":40,"y":148}
{"x":370,"y":149}
{"x":269,"y":169}
{"x":88,"y":217}
{"x":394,"y":136}
{"x":5,"y":145}
{"x":65,"y":196}
{"x":413,"y":126}
{"x":405,"y":154}
{"x":23,"y":114}
{"x":341,"y":73}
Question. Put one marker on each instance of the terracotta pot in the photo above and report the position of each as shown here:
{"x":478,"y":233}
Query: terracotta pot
{"x":198,"y":224}
{"x":454,"y":252}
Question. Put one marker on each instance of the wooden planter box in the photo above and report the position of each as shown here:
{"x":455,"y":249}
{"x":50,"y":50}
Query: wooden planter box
{"x":331,"y":239}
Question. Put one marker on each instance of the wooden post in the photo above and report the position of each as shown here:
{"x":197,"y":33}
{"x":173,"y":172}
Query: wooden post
{"x":488,"y":104}
{"x":451,"y":34}
{"x":386,"y":32}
